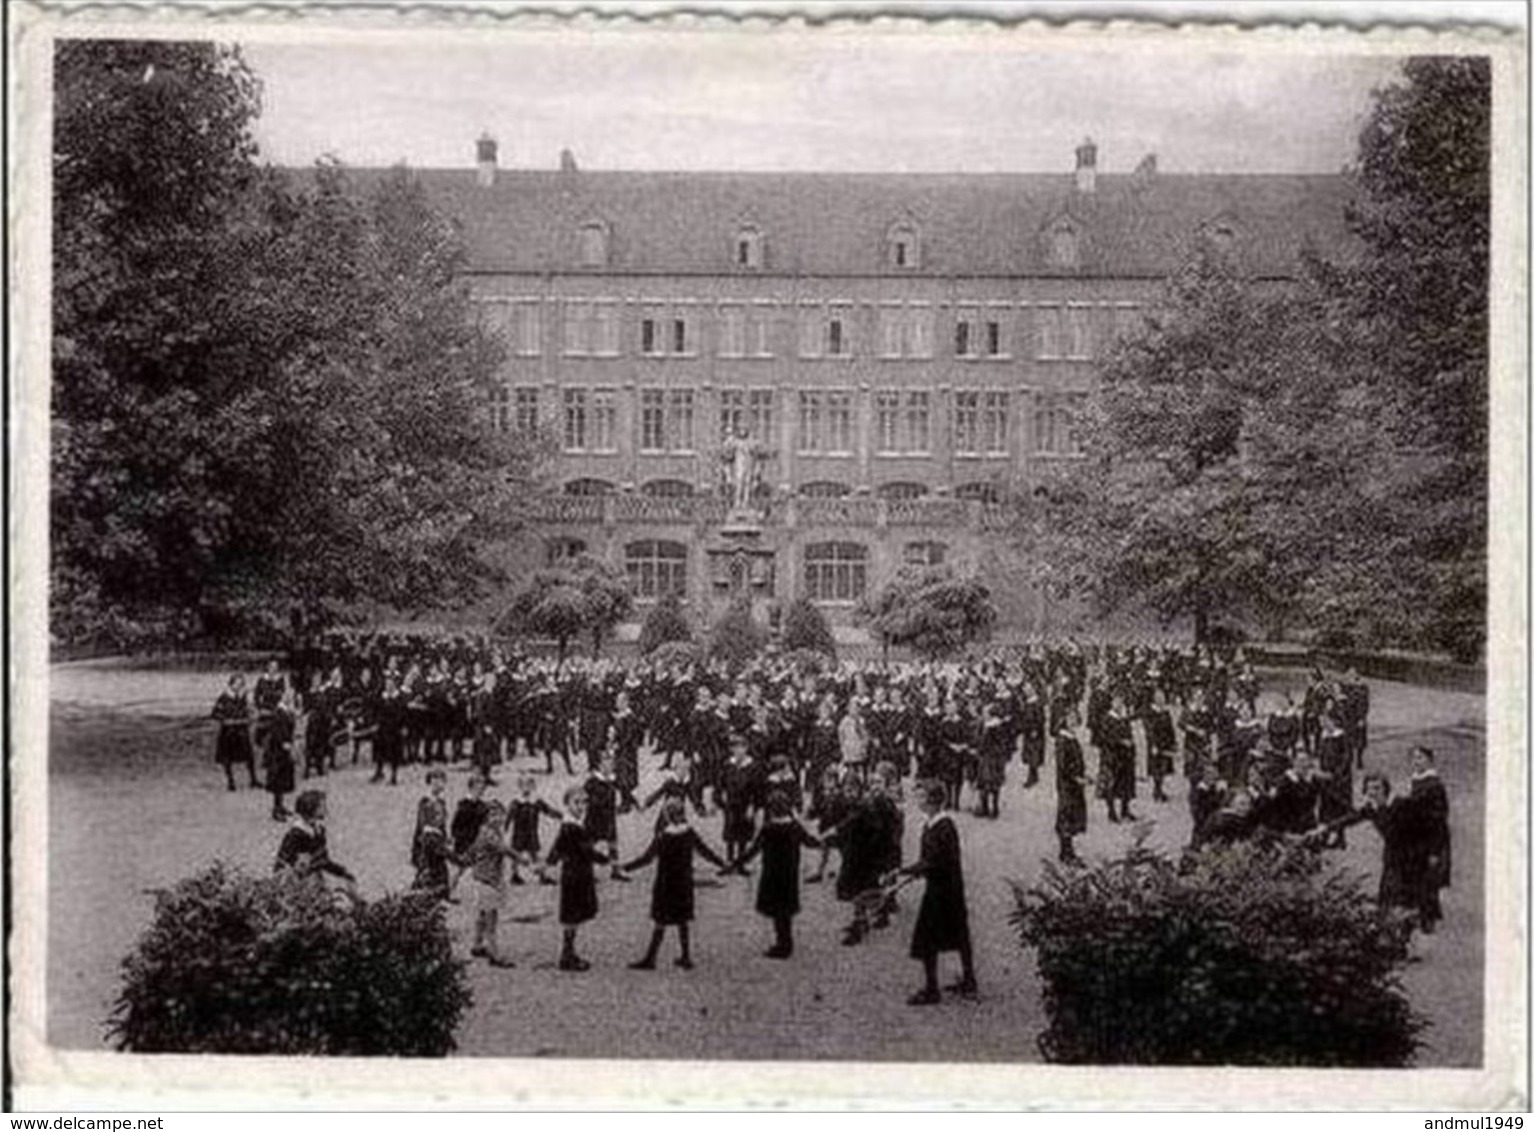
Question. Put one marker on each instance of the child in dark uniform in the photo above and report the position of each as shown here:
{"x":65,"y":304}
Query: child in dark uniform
{"x":577,"y":857}
{"x":428,"y":846}
{"x":232,"y":710}
{"x":602,"y":811}
{"x":671,"y":900}
{"x":777,"y":893}
{"x":942,"y":922}
{"x":526,"y":846}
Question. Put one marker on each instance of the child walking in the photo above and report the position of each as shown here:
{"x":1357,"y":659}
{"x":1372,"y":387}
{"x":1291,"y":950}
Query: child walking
{"x":671,"y":900}
{"x":577,"y":856}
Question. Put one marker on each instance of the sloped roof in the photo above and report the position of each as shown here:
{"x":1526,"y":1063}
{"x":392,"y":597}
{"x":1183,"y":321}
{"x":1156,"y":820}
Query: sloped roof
{"x":837,"y":224}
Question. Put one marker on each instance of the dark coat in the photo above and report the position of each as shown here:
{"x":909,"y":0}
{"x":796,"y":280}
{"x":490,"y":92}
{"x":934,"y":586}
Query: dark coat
{"x":864,"y":841}
{"x":1070,"y":795}
{"x":672,"y":848}
{"x":577,"y":857}
{"x":779,"y":841}
{"x":942,"y":921}
{"x":1430,"y":829}
{"x":277,"y":752}
{"x":601,"y":808}
{"x":233,"y":715}
{"x":522,"y":817}
{"x":467,"y":819}
{"x":307,"y":851}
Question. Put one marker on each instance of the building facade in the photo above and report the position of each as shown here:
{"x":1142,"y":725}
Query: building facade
{"x":902,"y":350}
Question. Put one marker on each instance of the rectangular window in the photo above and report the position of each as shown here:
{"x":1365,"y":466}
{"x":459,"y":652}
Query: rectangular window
{"x":811,"y":421}
{"x":604,"y":420}
{"x":606,"y":330}
{"x":680,"y":423}
{"x":966,"y":423}
{"x":732,"y":332}
{"x":1054,"y":427}
{"x":526,"y":401}
{"x":577,"y":328}
{"x":500,"y":409}
{"x":891,"y":331}
{"x":652,"y":420}
{"x":679,"y":336}
{"x":918,"y":421}
{"x":1127,"y":321}
{"x":761,"y":415}
{"x":836,"y":337}
{"x":575,"y":420}
{"x":1079,"y":327}
{"x":732,"y":412}
{"x":961,"y":339}
{"x":838,"y":421}
{"x":993,"y":423}
{"x":527,"y":337}
{"x":759,"y":332}
{"x":886,"y":421}
{"x":918,"y":332}
{"x":1049,"y":332}
{"x":992,"y":339}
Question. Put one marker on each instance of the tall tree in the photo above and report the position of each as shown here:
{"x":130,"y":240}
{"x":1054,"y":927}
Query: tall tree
{"x":1421,"y":298}
{"x":933,"y":610}
{"x":265,"y":388}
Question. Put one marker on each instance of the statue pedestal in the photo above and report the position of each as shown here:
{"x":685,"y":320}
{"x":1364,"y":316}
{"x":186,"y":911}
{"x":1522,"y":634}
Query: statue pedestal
{"x":741,"y":523}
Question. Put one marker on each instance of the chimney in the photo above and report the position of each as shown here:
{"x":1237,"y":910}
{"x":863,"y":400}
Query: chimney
{"x":566,"y":162}
{"x":1086,"y":166}
{"x":484,"y":153}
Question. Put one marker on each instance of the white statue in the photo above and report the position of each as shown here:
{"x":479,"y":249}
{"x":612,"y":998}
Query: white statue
{"x":741,"y":459}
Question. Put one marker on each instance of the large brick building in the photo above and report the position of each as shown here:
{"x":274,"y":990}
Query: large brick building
{"x":905,"y":348}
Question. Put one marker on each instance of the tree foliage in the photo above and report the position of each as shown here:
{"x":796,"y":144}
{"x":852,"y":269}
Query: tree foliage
{"x":279,"y":965}
{"x":587,"y":596}
{"x":1240,"y":955}
{"x":1313,"y":454}
{"x":933,"y":610}
{"x":266,"y":389}
{"x":664,"y":623}
{"x":736,"y":638}
{"x":805,"y":628}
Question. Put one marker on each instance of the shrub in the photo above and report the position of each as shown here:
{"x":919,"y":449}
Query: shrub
{"x":1247,"y":955}
{"x":280,"y":965}
{"x":676,"y":654}
{"x":665,"y":622}
{"x":805,"y":629}
{"x":736,"y":638}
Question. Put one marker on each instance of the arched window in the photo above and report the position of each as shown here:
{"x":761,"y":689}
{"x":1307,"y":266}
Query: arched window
{"x":984,"y":492}
{"x":925,"y":553}
{"x":835,"y":571}
{"x":593,"y":244}
{"x":824,"y":489}
{"x":903,"y":490}
{"x":561,"y":551}
{"x":668,"y":488}
{"x":903,"y":246}
{"x":750,"y":248}
{"x":656,"y":568}
{"x":589,"y":487}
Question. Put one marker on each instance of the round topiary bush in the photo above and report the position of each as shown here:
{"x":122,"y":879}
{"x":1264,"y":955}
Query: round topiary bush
{"x":1240,"y":955}
{"x":736,"y":638}
{"x":805,"y":629}
{"x":665,"y":623}
{"x":283,"y":965}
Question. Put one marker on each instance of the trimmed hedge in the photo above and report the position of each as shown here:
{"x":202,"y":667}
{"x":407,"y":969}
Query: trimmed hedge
{"x":805,"y":629}
{"x":282,"y":965}
{"x":664,"y":623}
{"x":1241,"y":955}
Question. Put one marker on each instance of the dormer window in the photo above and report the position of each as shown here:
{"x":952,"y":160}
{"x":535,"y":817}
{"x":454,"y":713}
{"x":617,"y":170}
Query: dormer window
{"x":1064,"y":245}
{"x":593,"y":244}
{"x":904,"y":247}
{"x":749,"y":249}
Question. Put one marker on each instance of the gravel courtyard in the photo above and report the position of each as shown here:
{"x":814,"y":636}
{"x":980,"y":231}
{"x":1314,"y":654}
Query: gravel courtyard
{"x":135,"y":802}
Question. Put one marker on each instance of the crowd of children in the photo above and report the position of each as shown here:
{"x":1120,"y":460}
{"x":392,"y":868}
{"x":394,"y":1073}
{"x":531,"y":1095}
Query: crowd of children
{"x":780,"y":749}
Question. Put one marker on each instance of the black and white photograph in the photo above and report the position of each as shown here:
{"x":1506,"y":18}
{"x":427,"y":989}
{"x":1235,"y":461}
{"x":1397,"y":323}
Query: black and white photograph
{"x":917,"y":549}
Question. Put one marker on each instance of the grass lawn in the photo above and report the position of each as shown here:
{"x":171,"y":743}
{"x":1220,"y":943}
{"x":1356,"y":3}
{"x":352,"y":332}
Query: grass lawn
{"x":135,"y":802}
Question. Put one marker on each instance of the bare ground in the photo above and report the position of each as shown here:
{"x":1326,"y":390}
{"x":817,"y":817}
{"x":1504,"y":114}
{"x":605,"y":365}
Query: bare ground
{"x":135,"y":802}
